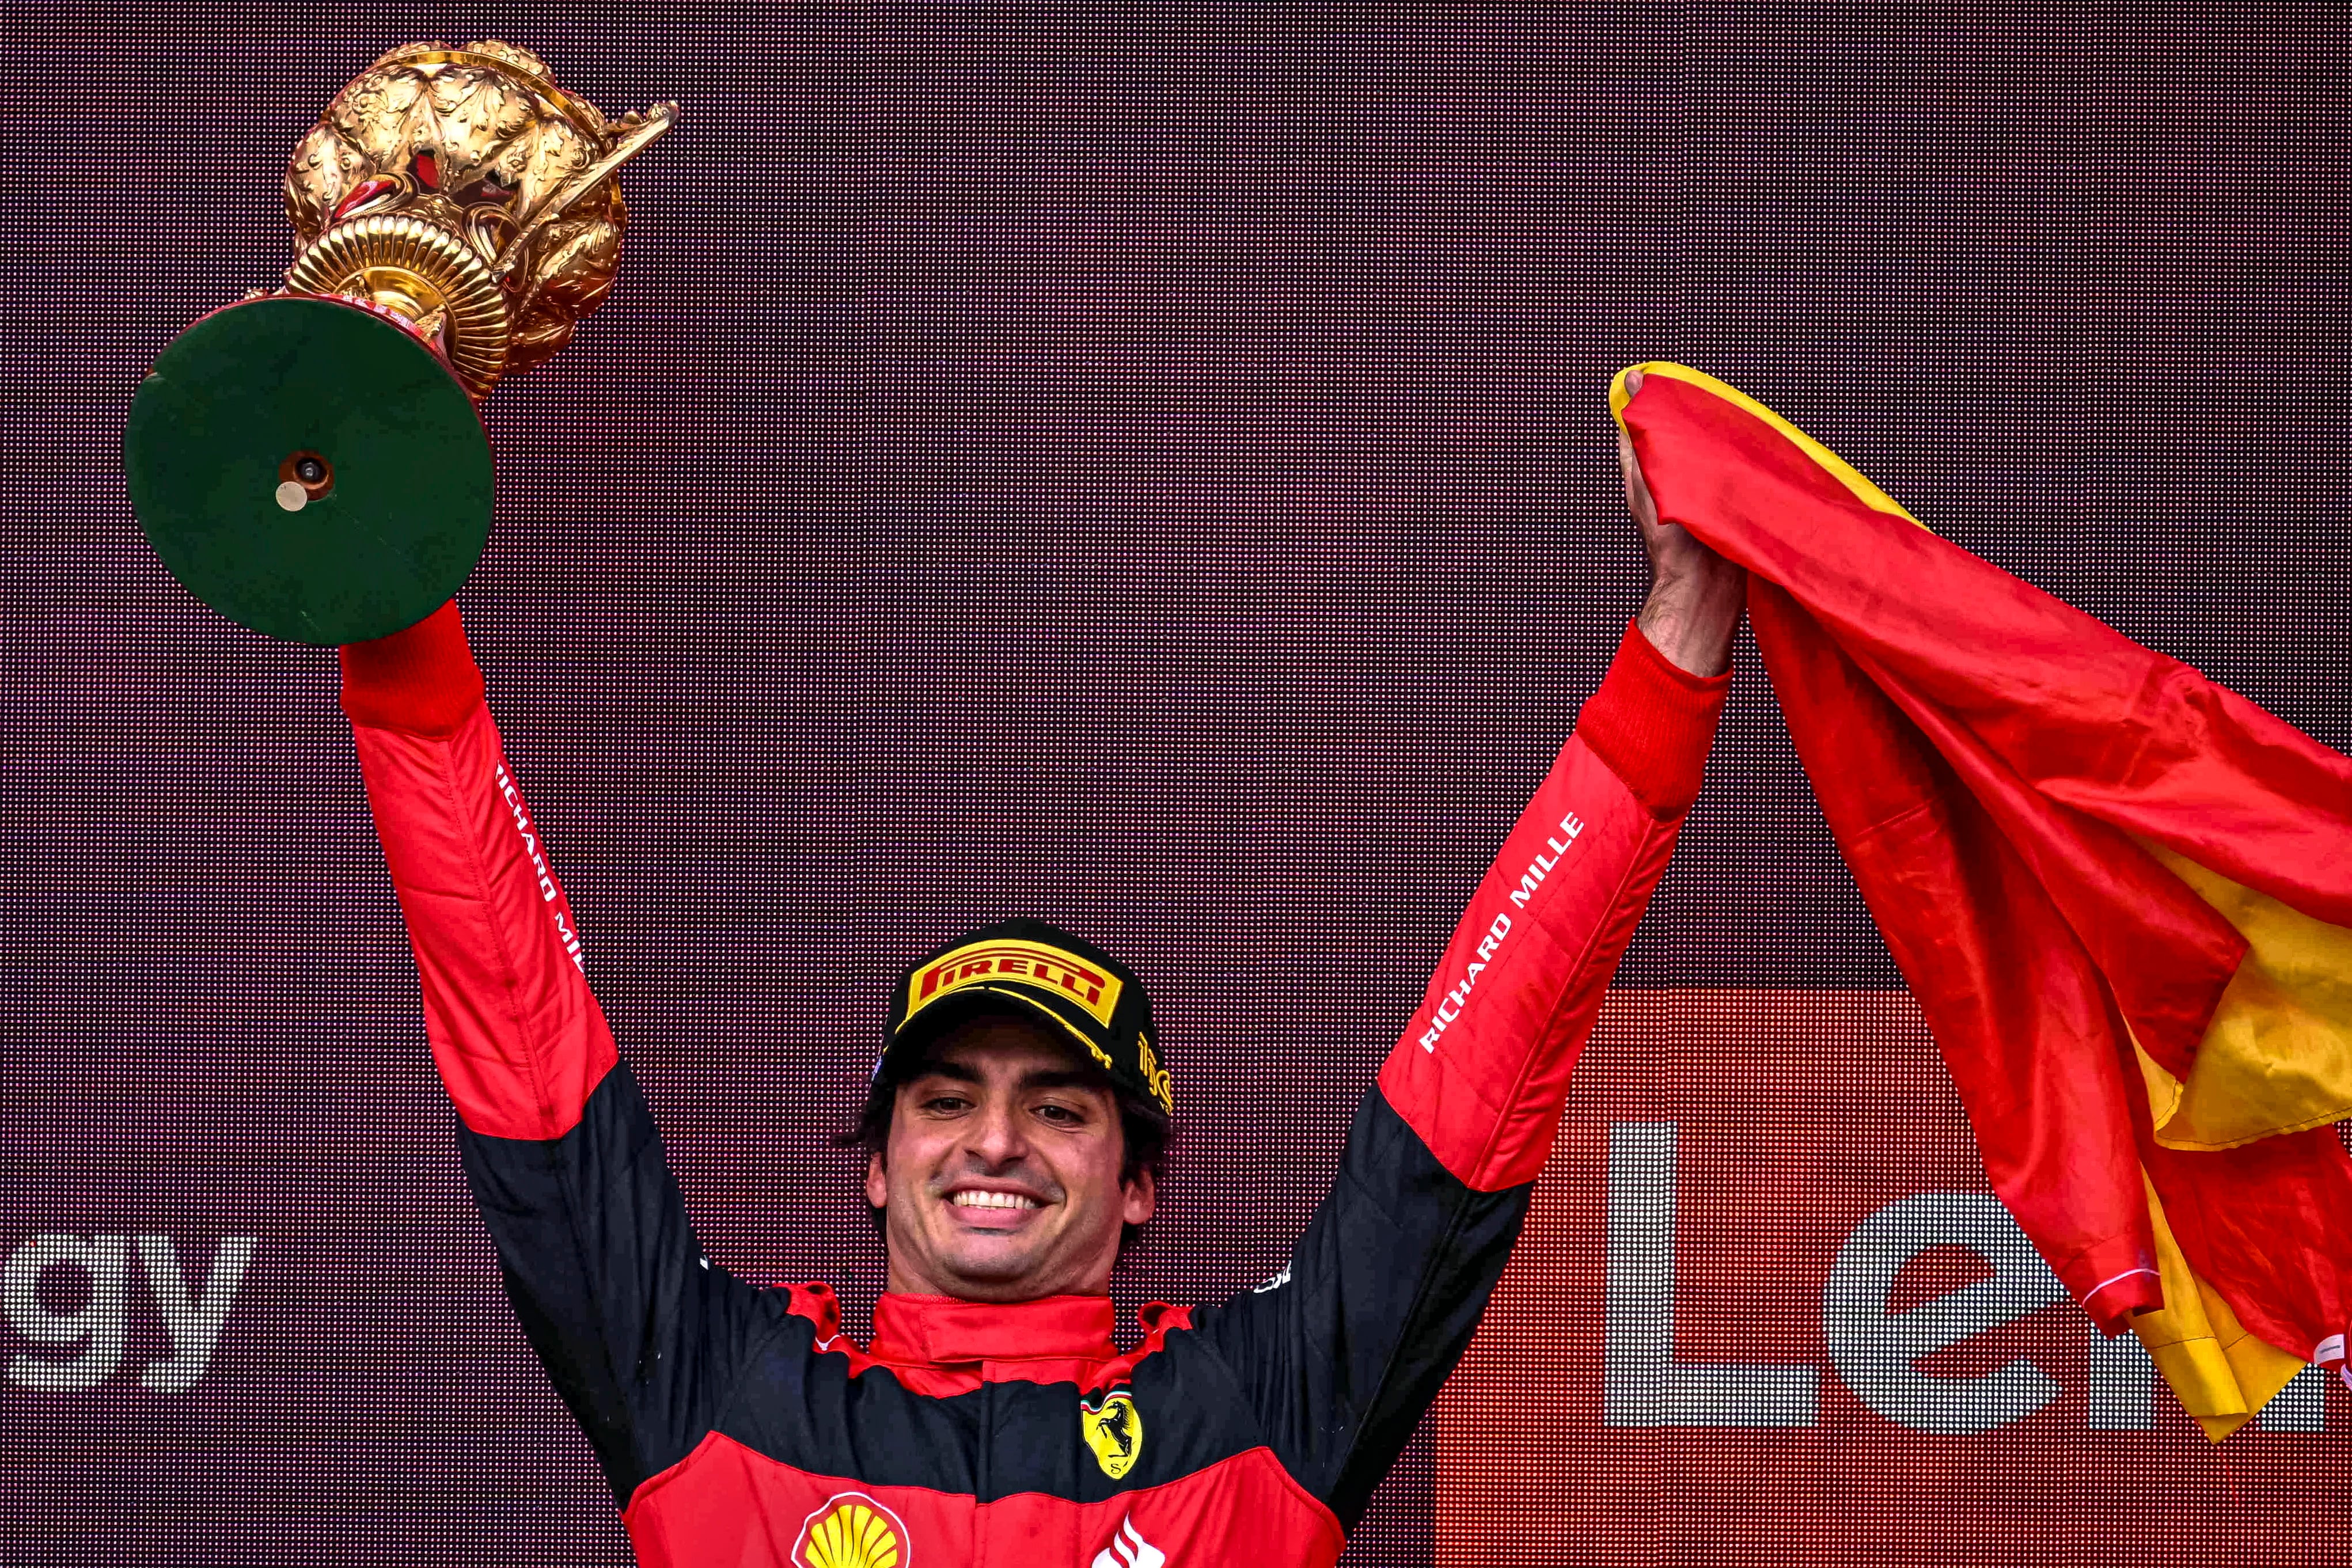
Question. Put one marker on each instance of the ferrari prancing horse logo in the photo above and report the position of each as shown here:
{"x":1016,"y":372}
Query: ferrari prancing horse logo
{"x":1113,"y":1429}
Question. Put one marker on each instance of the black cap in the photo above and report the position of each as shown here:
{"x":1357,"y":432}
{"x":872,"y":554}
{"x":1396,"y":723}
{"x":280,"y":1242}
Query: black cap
{"x":1029,"y":966}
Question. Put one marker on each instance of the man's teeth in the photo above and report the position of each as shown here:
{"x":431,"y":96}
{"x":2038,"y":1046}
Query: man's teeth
{"x":968,"y":1199}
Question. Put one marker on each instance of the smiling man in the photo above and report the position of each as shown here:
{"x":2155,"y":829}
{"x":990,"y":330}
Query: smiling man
{"x":1012,"y":1133}
{"x":1013,"y":1129}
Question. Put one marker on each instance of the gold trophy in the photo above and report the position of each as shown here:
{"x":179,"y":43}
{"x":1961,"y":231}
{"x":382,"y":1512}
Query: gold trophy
{"x":310,"y":462}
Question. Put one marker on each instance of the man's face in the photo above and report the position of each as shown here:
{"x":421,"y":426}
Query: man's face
{"x":1001,"y":1182}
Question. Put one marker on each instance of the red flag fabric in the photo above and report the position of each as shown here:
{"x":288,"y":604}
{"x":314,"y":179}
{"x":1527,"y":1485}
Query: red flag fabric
{"x":2067,"y":839}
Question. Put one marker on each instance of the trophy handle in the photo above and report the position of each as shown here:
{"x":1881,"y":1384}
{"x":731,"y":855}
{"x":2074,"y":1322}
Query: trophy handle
{"x":633,"y":141}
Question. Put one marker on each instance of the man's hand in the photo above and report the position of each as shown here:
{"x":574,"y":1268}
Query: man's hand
{"x":1695,"y":595}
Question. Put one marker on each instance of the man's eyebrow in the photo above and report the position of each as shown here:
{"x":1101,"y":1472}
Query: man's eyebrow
{"x":1059,"y":1077}
{"x":1042,"y":1078}
{"x":955,"y":1069}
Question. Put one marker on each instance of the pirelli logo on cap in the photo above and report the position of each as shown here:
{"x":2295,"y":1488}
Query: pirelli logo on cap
{"x":999,"y":960}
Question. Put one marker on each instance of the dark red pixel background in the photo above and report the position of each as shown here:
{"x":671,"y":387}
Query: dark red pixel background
{"x":1147,"y":468}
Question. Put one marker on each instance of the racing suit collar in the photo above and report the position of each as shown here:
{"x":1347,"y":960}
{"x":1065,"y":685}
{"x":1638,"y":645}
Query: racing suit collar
{"x":919,"y":1330}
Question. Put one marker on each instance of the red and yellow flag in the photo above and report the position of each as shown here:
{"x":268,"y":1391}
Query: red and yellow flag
{"x":2121,"y":893}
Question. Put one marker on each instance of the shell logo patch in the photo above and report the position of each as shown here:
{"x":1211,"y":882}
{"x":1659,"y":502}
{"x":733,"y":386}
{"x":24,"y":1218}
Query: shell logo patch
{"x":851,"y":1531}
{"x":1113,"y":1429}
{"x":1128,"y":1549}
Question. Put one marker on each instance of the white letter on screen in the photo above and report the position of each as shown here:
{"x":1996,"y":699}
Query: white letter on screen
{"x":194,"y":1326}
{"x":1874,"y":1350}
{"x":1642,"y":1384}
{"x":96,"y":1328}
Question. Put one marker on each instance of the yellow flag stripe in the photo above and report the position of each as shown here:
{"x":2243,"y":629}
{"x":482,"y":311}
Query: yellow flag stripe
{"x":2221,"y":1375}
{"x":1845,"y":473}
{"x":2276,"y":1056}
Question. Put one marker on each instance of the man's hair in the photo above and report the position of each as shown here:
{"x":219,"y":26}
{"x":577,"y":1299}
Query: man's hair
{"x":1144,"y":1128}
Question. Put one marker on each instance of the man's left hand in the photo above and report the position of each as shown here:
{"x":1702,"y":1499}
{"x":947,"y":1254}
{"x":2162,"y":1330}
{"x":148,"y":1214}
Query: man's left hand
{"x":1695,"y":595}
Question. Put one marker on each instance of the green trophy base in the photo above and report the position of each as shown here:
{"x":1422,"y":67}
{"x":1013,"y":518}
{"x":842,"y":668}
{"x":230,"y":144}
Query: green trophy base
{"x":310,"y":469}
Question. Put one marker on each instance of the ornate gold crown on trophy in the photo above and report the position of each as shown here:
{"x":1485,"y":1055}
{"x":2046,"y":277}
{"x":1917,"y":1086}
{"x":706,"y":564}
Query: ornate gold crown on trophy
{"x":308,"y":462}
{"x":464,"y":191}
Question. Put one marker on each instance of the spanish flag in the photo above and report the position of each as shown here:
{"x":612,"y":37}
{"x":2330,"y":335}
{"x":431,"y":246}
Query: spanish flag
{"x":2122,"y":894}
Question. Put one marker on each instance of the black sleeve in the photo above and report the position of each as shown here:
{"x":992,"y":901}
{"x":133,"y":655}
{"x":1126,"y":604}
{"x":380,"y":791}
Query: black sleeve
{"x":639,"y":1332}
{"x":1342,"y":1352}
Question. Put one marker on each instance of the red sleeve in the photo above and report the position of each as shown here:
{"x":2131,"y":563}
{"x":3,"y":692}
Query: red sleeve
{"x":517,"y":1037}
{"x":1482,"y":1071}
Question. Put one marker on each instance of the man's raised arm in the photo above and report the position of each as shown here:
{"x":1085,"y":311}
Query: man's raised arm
{"x":1342,"y":1357}
{"x":636,"y":1329}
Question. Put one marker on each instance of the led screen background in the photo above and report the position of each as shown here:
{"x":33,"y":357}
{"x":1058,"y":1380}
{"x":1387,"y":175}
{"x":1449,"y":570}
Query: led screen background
{"x":1149,"y":469}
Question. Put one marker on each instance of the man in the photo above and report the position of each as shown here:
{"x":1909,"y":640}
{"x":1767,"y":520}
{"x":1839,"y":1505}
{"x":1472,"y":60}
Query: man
{"x":1013,"y":1130}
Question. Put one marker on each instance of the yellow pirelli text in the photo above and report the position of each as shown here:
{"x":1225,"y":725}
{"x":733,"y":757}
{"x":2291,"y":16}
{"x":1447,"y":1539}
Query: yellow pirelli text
{"x":1009,"y":960}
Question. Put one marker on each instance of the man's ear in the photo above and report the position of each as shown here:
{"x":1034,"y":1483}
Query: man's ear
{"x":877,"y":1185}
{"x":1142,"y":1195}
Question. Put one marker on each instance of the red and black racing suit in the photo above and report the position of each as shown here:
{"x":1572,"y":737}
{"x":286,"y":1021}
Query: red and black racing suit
{"x":738,"y":1426}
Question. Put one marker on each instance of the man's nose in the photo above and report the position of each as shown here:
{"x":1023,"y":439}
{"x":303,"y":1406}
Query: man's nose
{"x":998,"y":1136}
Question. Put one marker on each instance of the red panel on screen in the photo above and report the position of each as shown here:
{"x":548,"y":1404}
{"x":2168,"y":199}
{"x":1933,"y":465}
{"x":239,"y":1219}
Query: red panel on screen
{"x":1865,"y":1362}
